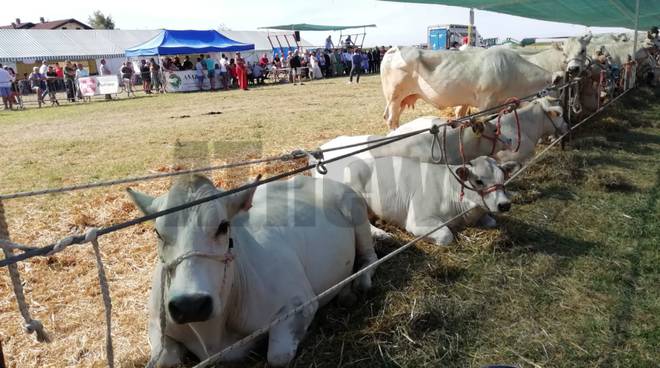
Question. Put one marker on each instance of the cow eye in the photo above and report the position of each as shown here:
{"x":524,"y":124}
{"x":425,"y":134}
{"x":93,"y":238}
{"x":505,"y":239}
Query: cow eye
{"x":222,"y":228}
{"x":479,"y":182}
{"x":158,"y":234}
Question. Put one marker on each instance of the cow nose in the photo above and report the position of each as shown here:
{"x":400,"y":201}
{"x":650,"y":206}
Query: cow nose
{"x":504,"y":207}
{"x":190,"y":308}
{"x":574,"y":69}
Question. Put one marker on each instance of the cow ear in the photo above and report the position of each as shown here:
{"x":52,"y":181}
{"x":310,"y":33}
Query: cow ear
{"x":557,"y":78}
{"x":146,"y":203}
{"x":510,"y":167}
{"x":241,"y":201}
{"x":463,"y":173}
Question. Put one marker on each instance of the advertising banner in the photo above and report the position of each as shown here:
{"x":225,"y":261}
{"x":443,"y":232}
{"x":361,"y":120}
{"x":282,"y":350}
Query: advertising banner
{"x":101,"y":85}
{"x":184,"y":81}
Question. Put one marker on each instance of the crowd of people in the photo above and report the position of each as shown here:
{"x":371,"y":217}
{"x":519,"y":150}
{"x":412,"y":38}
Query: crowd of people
{"x":221,"y":73}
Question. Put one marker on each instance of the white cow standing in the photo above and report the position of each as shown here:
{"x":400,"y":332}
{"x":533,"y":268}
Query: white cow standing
{"x":479,"y":78}
{"x":570,"y":56}
{"x":235,"y":264}
{"x":420,"y":196}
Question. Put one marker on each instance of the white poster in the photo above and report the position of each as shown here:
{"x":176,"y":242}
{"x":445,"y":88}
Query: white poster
{"x":87,"y":86}
{"x":107,"y":84}
{"x":184,"y":81}
{"x":101,"y":85}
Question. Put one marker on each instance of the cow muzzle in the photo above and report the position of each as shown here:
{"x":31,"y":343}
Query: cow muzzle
{"x":504,"y":207}
{"x":190,"y":308}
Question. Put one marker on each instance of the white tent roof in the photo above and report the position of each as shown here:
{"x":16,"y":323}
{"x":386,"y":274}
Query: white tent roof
{"x":33,"y":44}
{"x":260,"y":38}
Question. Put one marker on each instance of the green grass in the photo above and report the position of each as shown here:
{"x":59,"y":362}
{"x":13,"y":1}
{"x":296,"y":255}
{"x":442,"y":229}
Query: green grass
{"x":568,"y":279}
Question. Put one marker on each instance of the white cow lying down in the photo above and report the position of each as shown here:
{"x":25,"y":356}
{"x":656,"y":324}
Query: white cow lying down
{"x":538,"y":119}
{"x":419,"y":196}
{"x":237,"y":263}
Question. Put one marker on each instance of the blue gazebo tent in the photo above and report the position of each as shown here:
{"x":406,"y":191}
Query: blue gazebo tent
{"x":171,"y":42}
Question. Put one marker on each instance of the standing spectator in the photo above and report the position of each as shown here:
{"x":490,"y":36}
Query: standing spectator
{"x":210,"y":67}
{"x":187,"y":64}
{"x":177,"y":63}
{"x":81,"y":72}
{"x":105,"y":71}
{"x":328,"y":64}
{"x":127,"y":77}
{"x":346,"y":59}
{"x":70,"y":81}
{"x":51,"y":79}
{"x":156,"y":81}
{"x":375,"y":54}
{"x":315,"y":69}
{"x":241,"y":72}
{"x":145,"y":74}
{"x":15,"y":95}
{"x":294,"y":68}
{"x":36,"y":79}
{"x":356,"y":62}
{"x":329,"y":45}
{"x":5,"y":88}
{"x":231,"y":73}
{"x":370,"y":59}
{"x":365,"y":62}
{"x":321,"y":60}
{"x":43,"y":68}
{"x":199,"y":73}
{"x":223,"y":71}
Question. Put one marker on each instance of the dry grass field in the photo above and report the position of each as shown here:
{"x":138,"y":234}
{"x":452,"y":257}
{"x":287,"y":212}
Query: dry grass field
{"x":568,"y":279}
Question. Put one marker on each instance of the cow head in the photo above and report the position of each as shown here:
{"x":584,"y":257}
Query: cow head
{"x":553,"y":121}
{"x":486,"y":179}
{"x":575,"y":53}
{"x":194,"y":247}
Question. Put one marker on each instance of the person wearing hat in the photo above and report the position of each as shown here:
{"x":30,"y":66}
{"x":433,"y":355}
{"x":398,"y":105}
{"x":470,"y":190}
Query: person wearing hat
{"x":43,"y":68}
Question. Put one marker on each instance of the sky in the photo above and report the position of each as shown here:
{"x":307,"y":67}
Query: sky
{"x":397,"y":23}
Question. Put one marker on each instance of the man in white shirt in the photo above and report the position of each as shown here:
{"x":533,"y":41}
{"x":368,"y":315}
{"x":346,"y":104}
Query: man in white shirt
{"x":43,"y":68}
{"x":223,"y":71}
{"x":5,"y":88}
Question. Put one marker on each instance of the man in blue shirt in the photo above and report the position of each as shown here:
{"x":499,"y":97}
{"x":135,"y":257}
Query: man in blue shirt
{"x":210,"y":69}
{"x":356,"y":66}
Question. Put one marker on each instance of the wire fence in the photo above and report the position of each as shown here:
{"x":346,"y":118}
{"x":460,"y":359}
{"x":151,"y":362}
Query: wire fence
{"x":296,"y":154}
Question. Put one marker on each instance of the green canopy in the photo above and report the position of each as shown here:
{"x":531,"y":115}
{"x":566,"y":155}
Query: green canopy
{"x":600,"y":13}
{"x":314,"y":27}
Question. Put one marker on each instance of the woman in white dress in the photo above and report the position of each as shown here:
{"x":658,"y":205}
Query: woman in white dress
{"x":314,"y":64}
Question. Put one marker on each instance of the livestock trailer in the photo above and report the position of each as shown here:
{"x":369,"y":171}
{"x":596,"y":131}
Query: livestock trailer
{"x":441,"y":37}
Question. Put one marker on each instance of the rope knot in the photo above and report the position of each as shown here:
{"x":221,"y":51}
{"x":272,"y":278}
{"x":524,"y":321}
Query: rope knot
{"x":35,"y":325}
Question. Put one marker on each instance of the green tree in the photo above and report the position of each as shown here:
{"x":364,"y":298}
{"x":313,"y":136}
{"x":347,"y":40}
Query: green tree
{"x":100,"y":21}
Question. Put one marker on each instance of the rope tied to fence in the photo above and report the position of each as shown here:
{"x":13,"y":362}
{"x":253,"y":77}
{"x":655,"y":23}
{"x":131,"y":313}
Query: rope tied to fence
{"x":30,"y":325}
